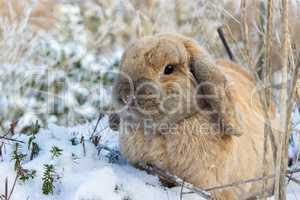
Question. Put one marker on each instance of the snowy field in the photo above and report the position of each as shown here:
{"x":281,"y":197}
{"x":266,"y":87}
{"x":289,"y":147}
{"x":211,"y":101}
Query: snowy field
{"x":81,"y":173}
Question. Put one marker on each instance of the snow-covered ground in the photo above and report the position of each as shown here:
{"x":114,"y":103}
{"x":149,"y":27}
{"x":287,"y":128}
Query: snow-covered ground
{"x":83,"y":174}
{"x":81,"y":177}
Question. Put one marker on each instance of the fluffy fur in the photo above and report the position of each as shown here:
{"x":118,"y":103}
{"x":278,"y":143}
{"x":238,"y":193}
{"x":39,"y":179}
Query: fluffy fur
{"x":195,"y":149}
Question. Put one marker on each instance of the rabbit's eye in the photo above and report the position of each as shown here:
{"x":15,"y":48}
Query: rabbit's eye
{"x":169,"y":69}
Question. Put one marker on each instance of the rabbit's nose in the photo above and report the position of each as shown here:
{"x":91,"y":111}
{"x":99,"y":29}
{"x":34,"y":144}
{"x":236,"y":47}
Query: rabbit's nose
{"x":145,"y":87}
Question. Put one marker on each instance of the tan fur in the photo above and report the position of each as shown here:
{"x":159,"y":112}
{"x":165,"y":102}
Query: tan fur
{"x":202,"y":156}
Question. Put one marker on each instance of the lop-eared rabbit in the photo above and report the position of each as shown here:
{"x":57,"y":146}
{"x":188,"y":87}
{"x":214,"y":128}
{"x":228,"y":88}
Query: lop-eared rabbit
{"x":195,"y":117}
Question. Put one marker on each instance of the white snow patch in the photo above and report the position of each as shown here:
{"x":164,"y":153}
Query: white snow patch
{"x":82,"y":177}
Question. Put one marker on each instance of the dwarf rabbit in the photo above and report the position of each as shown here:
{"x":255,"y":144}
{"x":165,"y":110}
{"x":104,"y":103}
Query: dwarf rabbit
{"x":195,"y":117}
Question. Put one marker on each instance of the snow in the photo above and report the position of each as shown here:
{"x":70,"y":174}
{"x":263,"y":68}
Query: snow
{"x":294,"y":141}
{"x":89,"y":176}
{"x":82,"y":177}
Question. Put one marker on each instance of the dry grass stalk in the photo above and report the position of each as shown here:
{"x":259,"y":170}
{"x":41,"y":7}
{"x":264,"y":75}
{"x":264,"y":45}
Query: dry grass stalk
{"x":100,"y":116}
{"x":265,"y":95}
{"x":41,"y":14}
{"x":8,"y":193}
{"x":280,"y":185}
{"x":293,"y":179}
{"x":240,"y":53}
{"x":291,"y":99}
{"x":175,"y":180}
{"x":10,"y":139}
{"x":7,"y":136}
{"x":265,"y":104}
{"x":268,"y":60}
{"x":244,"y":31}
{"x":268,"y":93}
{"x":268,"y":134}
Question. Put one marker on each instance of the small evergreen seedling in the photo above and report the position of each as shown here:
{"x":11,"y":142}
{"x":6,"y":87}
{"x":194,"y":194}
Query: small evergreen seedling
{"x":33,"y":146}
{"x":48,"y":179}
{"x":27,"y":174}
{"x":34,"y":129}
{"x":30,"y":141}
{"x":18,"y":157}
{"x":55,"y":152}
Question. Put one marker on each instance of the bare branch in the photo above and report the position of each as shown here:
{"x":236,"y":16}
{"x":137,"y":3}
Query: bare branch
{"x":225,"y":44}
{"x":10,"y":139}
{"x":268,"y":90}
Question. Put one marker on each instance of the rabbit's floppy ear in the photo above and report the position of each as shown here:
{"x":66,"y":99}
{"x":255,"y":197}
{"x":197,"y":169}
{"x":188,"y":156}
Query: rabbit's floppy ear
{"x":213,"y":94}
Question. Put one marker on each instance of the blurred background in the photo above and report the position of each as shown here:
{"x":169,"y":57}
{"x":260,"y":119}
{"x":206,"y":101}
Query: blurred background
{"x":55,"y":54}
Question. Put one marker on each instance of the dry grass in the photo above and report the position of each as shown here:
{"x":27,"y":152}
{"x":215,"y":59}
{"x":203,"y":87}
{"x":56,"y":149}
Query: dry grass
{"x":40,"y":13}
{"x":8,"y":191}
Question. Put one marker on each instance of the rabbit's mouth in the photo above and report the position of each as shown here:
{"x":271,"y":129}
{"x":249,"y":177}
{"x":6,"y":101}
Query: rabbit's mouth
{"x":143,"y":108}
{"x":149,"y":100}
{"x":139,"y":109}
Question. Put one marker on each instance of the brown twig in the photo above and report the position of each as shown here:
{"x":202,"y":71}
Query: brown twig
{"x":288,"y":173}
{"x":83,"y":145}
{"x":175,"y":180}
{"x":97,"y":123}
{"x":13,"y":126}
{"x":238,"y":183}
{"x":293,"y":179}
{"x":293,"y":171}
{"x":13,"y":187}
{"x":10,"y":139}
{"x":11,"y":129}
{"x":6,"y":188}
{"x":225,"y":44}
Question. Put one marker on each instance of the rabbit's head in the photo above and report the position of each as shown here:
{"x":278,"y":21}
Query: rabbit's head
{"x":167,"y":78}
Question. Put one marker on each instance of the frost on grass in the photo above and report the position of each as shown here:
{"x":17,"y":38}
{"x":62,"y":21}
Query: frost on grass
{"x":62,"y":171}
